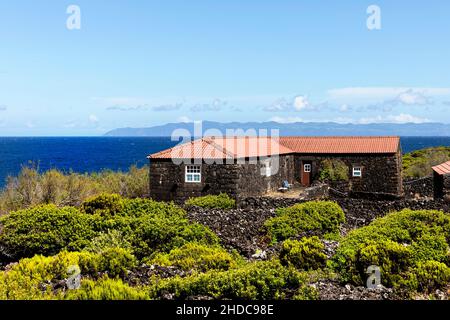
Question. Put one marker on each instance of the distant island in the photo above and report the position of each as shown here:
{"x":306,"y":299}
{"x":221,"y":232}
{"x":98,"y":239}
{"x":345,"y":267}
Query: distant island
{"x":298,"y":128}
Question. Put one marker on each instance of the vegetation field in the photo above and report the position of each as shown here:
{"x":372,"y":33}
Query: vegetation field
{"x":71,"y":236}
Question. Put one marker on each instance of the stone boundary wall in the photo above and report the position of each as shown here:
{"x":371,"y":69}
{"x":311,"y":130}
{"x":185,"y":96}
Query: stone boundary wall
{"x":423,"y":187}
{"x":362,"y":206}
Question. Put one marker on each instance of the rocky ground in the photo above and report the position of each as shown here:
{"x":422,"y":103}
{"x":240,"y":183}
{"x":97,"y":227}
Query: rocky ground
{"x":239,"y":229}
{"x":360,"y":212}
{"x":333,"y":290}
{"x":242,"y":229}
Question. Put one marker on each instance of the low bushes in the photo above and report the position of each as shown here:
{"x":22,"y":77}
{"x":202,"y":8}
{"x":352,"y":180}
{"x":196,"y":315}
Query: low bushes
{"x":107,"y":240}
{"x":149,"y":234}
{"x":429,"y":275}
{"x":306,"y":254}
{"x":146,"y":226}
{"x":418,"y":164}
{"x":410,"y":247}
{"x":258,"y":280}
{"x":105,"y":289}
{"x":27,"y":279}
{"x":194,"y":256}
{"x":221,"y":201}
{"x":322,"y":217}
{"x":45,"y":230}
{"x":104,"y":204}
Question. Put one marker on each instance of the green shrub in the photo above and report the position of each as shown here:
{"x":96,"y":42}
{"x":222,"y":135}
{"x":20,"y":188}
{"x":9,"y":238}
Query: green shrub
{"x":316,"y":216}
{"x":105,"y":289}
{"x":104,"y":204}
{"x":45,"y":230}
{"x":333,"y":170}
{"x":306,"y":254}
{"x":258,"y":280}
{"x":30,"y":278}
{"x":398,"y":244}
{"x":431,"y":275}
{"x":146,"y":226}
{"x":107,"y":240}
{"x":146,"y":207}
{"x":221,"y":201}
{"x":149,"y":234}
{"x":194,"y":256}
{"x":418,"y":164}
{"x":116,"y":261}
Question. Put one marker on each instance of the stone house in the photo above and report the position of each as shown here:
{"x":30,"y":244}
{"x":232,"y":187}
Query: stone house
{"x":441,"y":181}
{"x":252,"y":166}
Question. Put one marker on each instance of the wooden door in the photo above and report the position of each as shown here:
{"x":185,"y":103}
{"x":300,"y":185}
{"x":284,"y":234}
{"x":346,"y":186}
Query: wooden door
{"x":306,"y":173}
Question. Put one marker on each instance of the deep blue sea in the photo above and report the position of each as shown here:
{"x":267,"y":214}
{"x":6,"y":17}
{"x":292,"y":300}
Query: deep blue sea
{"x":92,"y":154}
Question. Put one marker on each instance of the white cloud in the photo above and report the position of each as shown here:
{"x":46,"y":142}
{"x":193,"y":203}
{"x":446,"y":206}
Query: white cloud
{"x":128,"y":108}
{"x":30,"y":124}
{"x":301,"y":103}
{"x":344,"y":108}
{"x":342,"y":120}
{"x":278,"y":105}
{"x":286,"y":119}
{"x":184,"y":119}
{"x":381,"y":93}
{"x":295,"y":104}
{"x":70,"y":124}
{"x":411,"y":97}
{"x":400,"y":118}
{"x":215,"y":105}
{"x":3,"y":107}
{"x":93,"y":119}
{"x":407,"y":118}
{"x":144,"y":107}
{"x":167,"y":107}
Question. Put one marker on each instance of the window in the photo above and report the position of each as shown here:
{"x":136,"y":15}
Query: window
{"x":193,"y":174}
{"x":307,"y":167}
{"x":357,"y":171}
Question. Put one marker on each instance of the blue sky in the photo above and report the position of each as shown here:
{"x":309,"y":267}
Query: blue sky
{"x":142,"y":63}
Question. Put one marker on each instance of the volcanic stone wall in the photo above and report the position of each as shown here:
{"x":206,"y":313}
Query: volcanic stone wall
{"x":167,"y":180}
{"x":416,"y":188}
{"x":381,"y":173}
{"x":239,"y":180}
{"x":253,"y":182}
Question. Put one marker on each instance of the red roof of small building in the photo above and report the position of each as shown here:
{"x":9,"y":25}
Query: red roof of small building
{"x":224,"y":148}
{"x":341,"y":145}
{"x":443,"y":168}
{"x":248,"y":147}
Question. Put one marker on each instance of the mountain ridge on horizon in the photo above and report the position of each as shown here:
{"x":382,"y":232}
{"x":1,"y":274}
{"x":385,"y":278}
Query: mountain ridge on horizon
{"x":296,"y":128}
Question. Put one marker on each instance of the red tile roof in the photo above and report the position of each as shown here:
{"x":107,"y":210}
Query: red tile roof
{"x":341,"y":145}
{"x":224,"y":148}
{"x":443,"y":168}
{"x":248,"y":147}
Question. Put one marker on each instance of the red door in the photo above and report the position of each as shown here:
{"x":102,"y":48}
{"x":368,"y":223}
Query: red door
{"x":306,"y":173}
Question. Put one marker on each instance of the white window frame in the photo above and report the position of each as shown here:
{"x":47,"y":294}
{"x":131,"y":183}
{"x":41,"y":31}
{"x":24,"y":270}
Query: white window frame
{"x":193,"y":173}
{"x":307,"y":165}
{"x":357,"y":171}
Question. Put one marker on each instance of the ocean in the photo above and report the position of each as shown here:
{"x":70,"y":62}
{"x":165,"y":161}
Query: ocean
{"x":91,"y":154}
